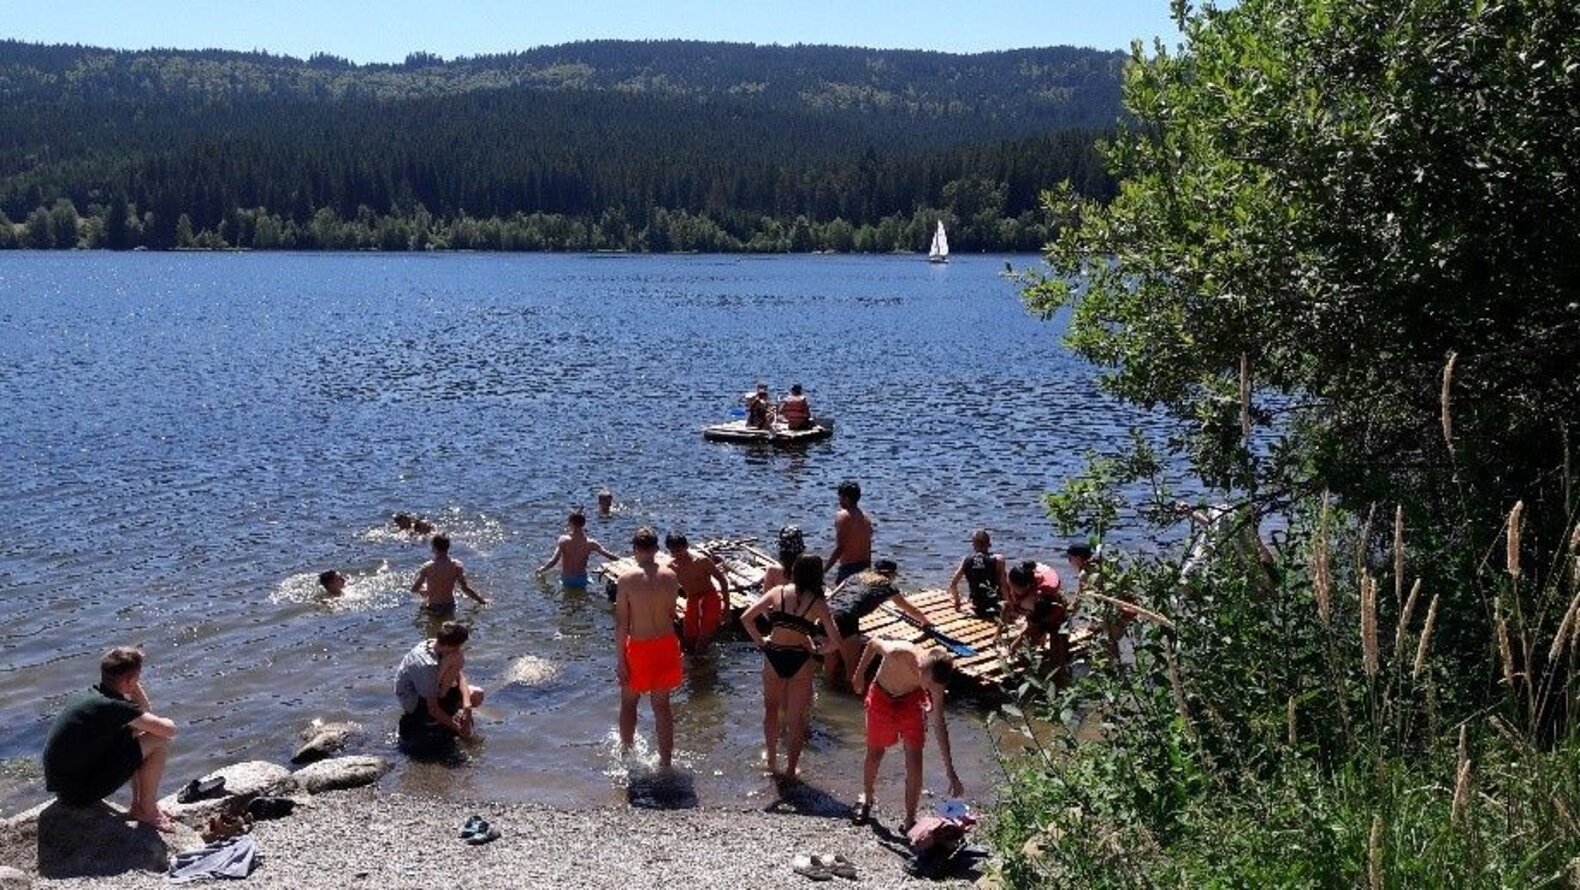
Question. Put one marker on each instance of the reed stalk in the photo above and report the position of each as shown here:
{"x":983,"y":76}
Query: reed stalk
{"x":1565,"y":628}
{"x":1374,"y":875}
{"x":1425,"y":642}
{"x":1369,"y":624}
{"x":1404,"y":620}
{"x":1512,"y":552}
{"x":1398,"y":554}
{"x":1446,"y":402}
{"x":1322,"y":564}
{"x":1461,"y":778}
{"x":1505,"y":651}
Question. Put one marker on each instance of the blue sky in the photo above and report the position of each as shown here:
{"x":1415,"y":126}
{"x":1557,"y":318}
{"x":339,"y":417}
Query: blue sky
{"x":385,"y":31}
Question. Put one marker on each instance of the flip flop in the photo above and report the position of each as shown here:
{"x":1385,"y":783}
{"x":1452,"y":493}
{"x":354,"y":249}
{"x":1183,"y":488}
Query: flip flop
{"x":483,"y":835}
{"x":200,"y":789}
{"x":836,"y":865}
{"x":474,"y":825}
{"x":808,"y":867}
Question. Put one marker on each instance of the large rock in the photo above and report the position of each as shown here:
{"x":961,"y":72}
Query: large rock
{"x":91,"y":841}
{"x":243,"y":781}
{"x":337,"y":773}
{"x":321,"y":740}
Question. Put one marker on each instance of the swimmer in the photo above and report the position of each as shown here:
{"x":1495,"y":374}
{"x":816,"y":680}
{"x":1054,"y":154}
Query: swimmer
{"x":572,"y":552}
{"x":414,"y":525}
{"x":333,"y":582}
{"x":438,"y":578}
{"x":605,"y":502}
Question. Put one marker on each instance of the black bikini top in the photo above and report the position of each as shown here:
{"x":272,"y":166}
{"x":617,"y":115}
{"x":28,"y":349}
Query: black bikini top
{"x":795,"y":621}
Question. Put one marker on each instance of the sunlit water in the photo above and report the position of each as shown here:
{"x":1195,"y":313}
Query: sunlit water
{"x":187,"y":440}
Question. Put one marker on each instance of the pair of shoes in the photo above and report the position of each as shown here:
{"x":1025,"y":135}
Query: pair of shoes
{"x":270,"y":807}
{"x":475,"y":830}
{"x":201,"y":789}
{"x":823,"y":867}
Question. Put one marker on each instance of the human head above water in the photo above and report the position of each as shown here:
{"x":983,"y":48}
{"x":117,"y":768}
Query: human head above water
{"x":441,"y":544}
{"x":849,"y":492}
{"x":402,"y":521}
{"x":795,"y":389}
{"x":120,"y":665}
{"x":453,"y":635}
{"x":331,"y":580}
{"x":645,"y":540}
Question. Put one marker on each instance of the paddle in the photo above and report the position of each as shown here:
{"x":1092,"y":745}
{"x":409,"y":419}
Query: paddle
{"x":960,"y":649}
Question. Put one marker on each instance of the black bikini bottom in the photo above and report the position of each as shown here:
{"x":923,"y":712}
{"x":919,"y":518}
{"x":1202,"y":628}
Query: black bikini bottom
{"x":786,"y":661}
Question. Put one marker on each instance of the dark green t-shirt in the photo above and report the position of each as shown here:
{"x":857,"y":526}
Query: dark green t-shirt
{"x":88,"y":736}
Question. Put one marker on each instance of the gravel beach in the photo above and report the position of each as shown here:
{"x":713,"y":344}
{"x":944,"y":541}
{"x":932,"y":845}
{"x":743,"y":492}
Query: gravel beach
{"x":368,"y":838}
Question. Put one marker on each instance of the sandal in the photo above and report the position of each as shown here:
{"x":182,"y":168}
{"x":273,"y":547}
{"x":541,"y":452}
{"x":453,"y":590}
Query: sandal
{"x":474,"y":825}
{"x":483,"y":835}
{"x":808,"y":867}
{"x":836,"y":865}
{"x":201,"y":789}
{"x":862,"y":813}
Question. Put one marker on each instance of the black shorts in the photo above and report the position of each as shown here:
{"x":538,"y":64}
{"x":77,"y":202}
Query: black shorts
{"x":849,"y":625}
{"x":109,"y":773}
{"x":419,"y":728}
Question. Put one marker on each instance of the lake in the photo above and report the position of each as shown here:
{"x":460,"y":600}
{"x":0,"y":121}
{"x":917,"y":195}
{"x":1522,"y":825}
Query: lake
{"x":188,"y":439}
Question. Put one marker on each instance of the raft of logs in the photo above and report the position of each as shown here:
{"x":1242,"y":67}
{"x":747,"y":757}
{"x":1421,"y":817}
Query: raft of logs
{"x":744,"y":564}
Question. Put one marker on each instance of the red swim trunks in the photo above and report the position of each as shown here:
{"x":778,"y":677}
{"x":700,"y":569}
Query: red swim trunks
{"x":891,"y":719}
{"x":702,"y":617}
{"x":654,"y":663}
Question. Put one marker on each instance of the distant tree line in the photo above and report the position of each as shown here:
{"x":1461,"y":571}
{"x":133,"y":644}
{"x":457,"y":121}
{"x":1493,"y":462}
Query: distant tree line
{"x":195,"y":155}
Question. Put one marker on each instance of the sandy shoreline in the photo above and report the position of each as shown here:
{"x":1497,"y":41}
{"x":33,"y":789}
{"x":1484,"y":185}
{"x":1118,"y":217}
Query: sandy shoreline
{"x":370,"y":838}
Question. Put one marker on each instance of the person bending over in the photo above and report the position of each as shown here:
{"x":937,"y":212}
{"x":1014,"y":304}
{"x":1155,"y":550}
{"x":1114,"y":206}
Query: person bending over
{"x":438,"y":578}
{"x":706,"y":603}
{"x":909,"y":684}
{"x":647,"y":652}
{"x":108,"y":735}
{"x":435,"y":697}
{"x":854,"y":600}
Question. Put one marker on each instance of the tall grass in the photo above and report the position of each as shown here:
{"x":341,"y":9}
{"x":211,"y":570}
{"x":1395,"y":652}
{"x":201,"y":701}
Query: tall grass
{"x":1275,"y":736}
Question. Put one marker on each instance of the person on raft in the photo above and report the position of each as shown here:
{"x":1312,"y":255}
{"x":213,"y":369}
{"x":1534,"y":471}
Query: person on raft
{"x":984,"y":574}
{"x":572,"y":551}
{"x":647,"y":652}
{"x":795,"y":410}
{"x":107,"y":736}
{"x":759,"y":408}
{"x":1034,"y":594}
{"x":910,"y":683}
{"x":439,"y":577}
{"x":858,"y":597}
{"x":706,"y":603}
{"x":795,"y":613}
{"x":436,"y":700}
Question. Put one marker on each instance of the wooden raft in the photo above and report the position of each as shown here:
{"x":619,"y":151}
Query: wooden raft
{"x":743,"y":564}
{"x":986,"y":669}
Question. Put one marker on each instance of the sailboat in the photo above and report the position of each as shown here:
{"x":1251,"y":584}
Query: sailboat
{"x":939,"y":252}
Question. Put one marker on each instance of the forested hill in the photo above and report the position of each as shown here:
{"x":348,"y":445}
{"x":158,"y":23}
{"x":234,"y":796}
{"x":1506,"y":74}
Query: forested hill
{"x":599,"y":145}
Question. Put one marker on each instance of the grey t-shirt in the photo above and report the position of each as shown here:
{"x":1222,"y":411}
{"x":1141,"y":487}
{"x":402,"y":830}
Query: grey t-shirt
{"x":418,"y":676}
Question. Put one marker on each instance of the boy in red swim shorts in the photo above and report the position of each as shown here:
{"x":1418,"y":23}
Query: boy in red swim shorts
{"x":706,"y":601}
{"x":647,"y":652}
{"x":909,"y":684}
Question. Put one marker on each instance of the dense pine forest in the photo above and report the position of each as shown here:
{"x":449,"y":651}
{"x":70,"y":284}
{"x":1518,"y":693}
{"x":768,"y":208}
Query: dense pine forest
{"x":610,"y":145}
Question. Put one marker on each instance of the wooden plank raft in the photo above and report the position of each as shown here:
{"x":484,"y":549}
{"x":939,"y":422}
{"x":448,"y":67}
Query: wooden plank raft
{"x":741,"y":563}
{"x":986,"y":669}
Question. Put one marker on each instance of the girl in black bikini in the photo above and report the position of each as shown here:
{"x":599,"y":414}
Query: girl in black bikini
{"x":793,"y":612}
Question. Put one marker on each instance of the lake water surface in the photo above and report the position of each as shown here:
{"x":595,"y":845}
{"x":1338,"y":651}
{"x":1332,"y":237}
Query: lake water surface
{"x":186,"y":440}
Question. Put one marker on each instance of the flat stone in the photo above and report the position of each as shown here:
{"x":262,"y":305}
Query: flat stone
{"x":97,"y":840}
{"x":338,"y":773}
{"x":243,"y":781}
{"x":321,"y":740}
{"x":14,"y":879}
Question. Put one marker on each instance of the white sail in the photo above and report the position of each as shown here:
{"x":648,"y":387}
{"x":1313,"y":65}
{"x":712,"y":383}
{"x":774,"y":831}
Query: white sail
{"x":939,"y":252}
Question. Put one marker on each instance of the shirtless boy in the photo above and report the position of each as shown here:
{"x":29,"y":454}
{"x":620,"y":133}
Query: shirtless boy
{"x":852,"y":535}
{"x":909,"y":684}
{"x":706,"y":602}
{"x":647,"y":652}
{"x":438,"y":578}
{"x":573,"y":550}
{"x":333,"y":582}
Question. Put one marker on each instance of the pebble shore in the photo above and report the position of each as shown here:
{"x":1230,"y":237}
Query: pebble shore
{"x":367,"y":838}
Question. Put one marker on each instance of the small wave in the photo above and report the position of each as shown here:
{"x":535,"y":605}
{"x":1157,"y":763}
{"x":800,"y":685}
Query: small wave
{"x":530,"y":670}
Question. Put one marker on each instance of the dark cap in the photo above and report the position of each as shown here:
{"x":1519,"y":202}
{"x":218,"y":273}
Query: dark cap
{"x":886,"y":567}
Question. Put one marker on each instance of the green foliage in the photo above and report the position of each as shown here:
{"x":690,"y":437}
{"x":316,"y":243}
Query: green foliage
{"x":561,"y":137}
